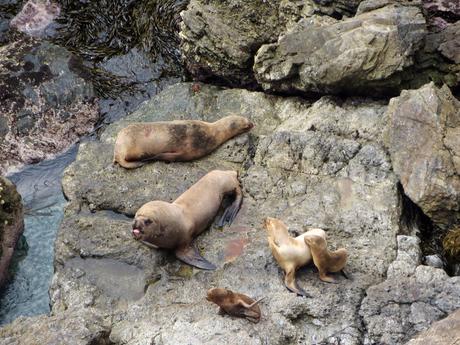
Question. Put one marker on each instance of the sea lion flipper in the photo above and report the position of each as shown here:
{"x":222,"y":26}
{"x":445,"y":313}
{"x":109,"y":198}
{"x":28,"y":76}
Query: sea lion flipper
{"x":191,"y":256}
{"x":232,"y":210}
{"x":291,"y":284}
{"x":327,"y":279}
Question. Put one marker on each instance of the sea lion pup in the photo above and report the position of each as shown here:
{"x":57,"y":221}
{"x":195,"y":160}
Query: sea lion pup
{"x":290,"y":253}
{"x":174,"y":140}
{"x":325,"y":260}
{"x":174,"y":225}
{"x":235,"y":304}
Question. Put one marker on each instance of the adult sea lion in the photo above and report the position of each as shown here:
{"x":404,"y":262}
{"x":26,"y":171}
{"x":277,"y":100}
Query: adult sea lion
{"x":174,"y":225}
{"x":325,"y":260}
{"x":290,"y":253}
{"x":174,"y":140}
{"x":235,"y":304}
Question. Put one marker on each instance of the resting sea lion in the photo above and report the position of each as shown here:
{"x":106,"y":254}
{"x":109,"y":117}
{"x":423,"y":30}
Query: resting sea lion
{"x":325,"y":260}
{"x":174,"y":225}
{"x":174,"y":140}
{"x":290,"y":253}
{"x":235,"y":304}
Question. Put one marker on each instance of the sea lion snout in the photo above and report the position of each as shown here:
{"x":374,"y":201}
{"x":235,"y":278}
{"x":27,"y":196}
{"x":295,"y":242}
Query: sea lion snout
{"x":138,"y":227}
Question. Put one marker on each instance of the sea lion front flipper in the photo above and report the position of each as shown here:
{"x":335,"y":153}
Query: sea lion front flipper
{"x":232,"y":210}
{"x":191,"y":256}
{"x":291,"y":284}
{"x":325,"y":278}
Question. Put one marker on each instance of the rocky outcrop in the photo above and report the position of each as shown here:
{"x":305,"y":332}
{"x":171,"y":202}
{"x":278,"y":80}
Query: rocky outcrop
{"x":45,"y":105}
{"x":318,"y":164}
{"x":423,"y":139}
{"x":444,"y":332}
{"x":87,"y":328}
{"x":409,"y":300}
{"x":363,"y":54}
{"x":11,"y":225}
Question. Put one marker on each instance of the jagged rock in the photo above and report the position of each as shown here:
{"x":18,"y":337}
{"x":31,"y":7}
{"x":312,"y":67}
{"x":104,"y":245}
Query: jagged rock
{"x":86,"y":328}
{"x":363,"y":54}
{"x":423,"y":141}
{"x":444,"y":332}
{"x":36,"y":17}
{"x":318,"y":164}
{"x":45,"y":105}
{"x":219,"y":39}
{"x":11,"y":224}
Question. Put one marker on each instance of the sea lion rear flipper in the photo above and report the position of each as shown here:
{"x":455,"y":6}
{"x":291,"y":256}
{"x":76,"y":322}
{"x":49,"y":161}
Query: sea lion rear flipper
{"x":191,"y":256}
{"x":232,"y":210}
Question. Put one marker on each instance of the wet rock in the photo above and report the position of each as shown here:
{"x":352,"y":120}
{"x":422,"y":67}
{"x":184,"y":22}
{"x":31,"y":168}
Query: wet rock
{"x":36,"y":18}
{"x":442,"y":332}
{"x":423,"y":141}
{"x":44,"y":102}
{"x":363,"y":54}
{"x":11,"y":225}
{"x":85,"y":328}
{"x":349,"y":190}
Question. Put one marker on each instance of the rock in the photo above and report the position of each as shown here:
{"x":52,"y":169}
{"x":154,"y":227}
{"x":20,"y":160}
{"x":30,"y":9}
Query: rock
{"x":86,"y":328}
{"x":444,"y":332}
{"x":46,"y":106}
{"x":11,"y":224}
{"x":365,"y":54}
{"x":36,"y":17}
{"x":423,"y":141}
{"x":220,"y":39}
{"x":395,"y":310}
{"x":318,"y":164}
{"x":434,"y":261}
{"x":442,"y":12}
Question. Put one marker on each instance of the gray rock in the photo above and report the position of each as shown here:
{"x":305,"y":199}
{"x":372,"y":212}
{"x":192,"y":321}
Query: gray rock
{"x":434,"y":261}
{"x":444,"y":332}
{"x":11,"y":224}
{"x":46,"y":105}
{"x":363,"y":54}
{"x":423,"y":141}
{"x":351,"y":191}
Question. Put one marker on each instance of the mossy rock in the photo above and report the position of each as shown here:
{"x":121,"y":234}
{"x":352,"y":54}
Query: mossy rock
{"x":451,"y":243}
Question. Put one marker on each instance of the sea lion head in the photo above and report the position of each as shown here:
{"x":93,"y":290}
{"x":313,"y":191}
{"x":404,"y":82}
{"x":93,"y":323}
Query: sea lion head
{"x":144,"y":227}
{"x":273,"y":224}
{"x":238,"y":124}
{"x":315,"y":241}
{"x":217,"y":294}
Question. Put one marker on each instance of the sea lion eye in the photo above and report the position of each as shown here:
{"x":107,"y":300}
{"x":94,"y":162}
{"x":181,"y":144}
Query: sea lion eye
{"x":148,"y":221}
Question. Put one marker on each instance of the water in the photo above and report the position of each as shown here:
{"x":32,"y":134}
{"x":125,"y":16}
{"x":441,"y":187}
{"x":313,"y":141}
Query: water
{"x":40,"y":187}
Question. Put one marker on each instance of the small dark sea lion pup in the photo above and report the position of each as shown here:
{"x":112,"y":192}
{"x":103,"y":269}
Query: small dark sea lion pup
{"x":290,"y":253}
{"x":174,"y":225}
{"x":325,"y":260}
{"x":235,"y":304}
{"x":174,"y":140}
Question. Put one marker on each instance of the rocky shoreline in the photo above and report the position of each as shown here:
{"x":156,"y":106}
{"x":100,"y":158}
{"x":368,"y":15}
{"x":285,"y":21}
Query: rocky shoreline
{"x":340,"y":161}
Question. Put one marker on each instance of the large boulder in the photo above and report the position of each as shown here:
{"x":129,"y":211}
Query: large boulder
{"x":45,"y":104}
{"x":444,"y":332}
{"x":11,"y":224}
{"x":318,"y":164}
{"x":423,"y":138}
{"x":363,"y":54}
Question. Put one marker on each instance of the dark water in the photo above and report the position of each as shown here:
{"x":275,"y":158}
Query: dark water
{"x":40,"y":187}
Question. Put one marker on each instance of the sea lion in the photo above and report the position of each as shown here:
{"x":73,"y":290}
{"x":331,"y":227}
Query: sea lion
{"x":174,"y":140}
{"x":235,"y":304}
{"x":325,"y":260}
{"x":174,"y":225}
{"x":290,"y":253}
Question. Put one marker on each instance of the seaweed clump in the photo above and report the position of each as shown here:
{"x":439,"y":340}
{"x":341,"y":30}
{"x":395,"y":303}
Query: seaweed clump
{"x":451,"y":243}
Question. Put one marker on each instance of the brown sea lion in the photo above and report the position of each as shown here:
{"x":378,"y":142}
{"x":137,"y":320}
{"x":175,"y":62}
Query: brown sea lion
{"x":325,"y":260}
{"x":174,"y":225}
{"x":290,"y":253}
{"x":174,"y":140}
{"x":235,"y":304}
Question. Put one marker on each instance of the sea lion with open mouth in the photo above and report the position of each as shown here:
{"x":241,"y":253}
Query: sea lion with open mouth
{"x":174,"y":225}
{"x":182,"y":140}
